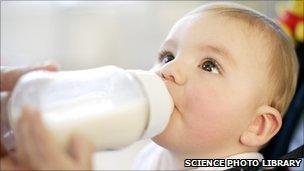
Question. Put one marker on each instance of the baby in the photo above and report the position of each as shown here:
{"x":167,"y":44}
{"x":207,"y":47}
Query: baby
{"x":231,"y":72}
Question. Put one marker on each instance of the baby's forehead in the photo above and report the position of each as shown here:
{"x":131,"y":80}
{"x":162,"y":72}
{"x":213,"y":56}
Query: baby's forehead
{"x":230,"y":24}
{"x":234,"y":34}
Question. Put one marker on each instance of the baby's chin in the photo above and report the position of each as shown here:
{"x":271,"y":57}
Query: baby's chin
{"x":166,"y":140}
{"x":168,"y":143}
{"x":159,"y":139}
{"x":162,"y":139}
{"x":171,"y":136}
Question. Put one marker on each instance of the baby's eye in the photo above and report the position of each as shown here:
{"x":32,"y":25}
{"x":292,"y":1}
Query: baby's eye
{"x":165,"y":57}
{"x":210,"y":66}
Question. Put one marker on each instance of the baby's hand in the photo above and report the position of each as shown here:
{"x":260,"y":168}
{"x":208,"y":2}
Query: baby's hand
{"x":36,"y":149}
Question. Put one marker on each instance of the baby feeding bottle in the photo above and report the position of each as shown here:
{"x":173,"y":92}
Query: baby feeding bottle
{"x":110,"y":106}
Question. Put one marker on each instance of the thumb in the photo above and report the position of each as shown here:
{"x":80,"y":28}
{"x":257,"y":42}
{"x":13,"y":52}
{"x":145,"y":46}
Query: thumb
{"x":10,"y":76}
{"x":82,"y":151}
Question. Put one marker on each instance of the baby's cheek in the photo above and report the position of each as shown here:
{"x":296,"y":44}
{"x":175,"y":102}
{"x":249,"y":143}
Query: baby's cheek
{"x":201,"y":103}
{"x":205,"y":112}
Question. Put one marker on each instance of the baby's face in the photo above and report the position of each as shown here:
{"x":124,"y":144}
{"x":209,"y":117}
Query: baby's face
{"x":215,"y":71}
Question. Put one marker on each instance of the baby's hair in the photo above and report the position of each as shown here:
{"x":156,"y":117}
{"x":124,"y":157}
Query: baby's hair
{"x":283,"y":62}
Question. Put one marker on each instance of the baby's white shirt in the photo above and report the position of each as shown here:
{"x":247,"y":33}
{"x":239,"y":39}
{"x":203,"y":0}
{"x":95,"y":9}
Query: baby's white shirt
{"x":155,"y":157}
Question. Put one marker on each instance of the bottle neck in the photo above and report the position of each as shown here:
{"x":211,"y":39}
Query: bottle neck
{"x":160,"y":101}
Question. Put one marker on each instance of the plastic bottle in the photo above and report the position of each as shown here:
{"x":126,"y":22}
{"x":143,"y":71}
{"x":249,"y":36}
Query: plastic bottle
{"x":110,"y":106}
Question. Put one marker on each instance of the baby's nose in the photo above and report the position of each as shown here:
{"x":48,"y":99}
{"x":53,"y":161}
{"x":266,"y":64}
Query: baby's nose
{"x":173,"y":74}
{"x":167,"y":77}
{"x":164,"y":76}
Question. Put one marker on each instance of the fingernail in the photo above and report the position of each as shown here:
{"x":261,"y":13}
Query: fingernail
{"x":51,"y":65}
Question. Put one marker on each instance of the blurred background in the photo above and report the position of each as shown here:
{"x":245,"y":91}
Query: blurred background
{"x":86,"y":34}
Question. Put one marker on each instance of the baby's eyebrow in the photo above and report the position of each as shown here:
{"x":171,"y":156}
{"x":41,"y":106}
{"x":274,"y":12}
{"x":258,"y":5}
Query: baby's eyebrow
{"x":221,"y":50}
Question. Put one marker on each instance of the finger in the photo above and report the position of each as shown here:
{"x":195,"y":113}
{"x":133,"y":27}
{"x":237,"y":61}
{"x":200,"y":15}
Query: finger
{"x":27,"y":154}
{"x":21,"y":141}
{"x":2,"y":151}
{"x":10,"y":77}
{"x":82,"y":151}
{"x":13,"y":155}
{"x":5,"y":127}
{"x":9,"y":164}
{"x":43,"y":150}
{"x":36,"y":157}
{"x":43,"y":139}
{"x":27,"y":149}
{"x":4,"y":96}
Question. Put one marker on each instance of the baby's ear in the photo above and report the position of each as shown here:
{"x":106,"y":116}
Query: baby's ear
{"x":265,"y":124}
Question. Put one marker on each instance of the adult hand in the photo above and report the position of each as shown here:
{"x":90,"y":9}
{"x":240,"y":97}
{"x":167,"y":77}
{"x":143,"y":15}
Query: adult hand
{"x":38,"y":150}
{"x":9,"y":77}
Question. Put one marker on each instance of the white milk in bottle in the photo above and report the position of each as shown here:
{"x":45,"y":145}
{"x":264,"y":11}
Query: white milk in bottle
{"x":110,"y":106}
